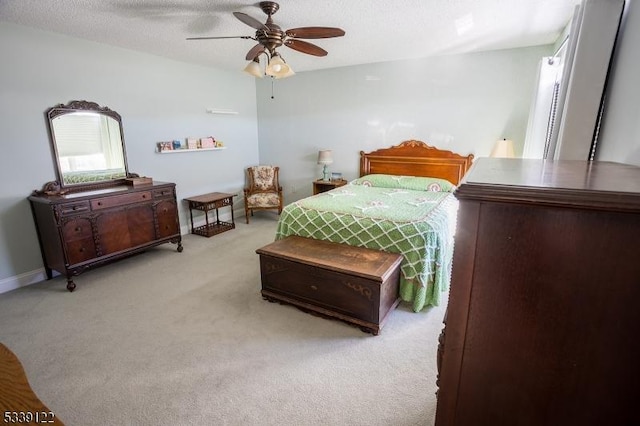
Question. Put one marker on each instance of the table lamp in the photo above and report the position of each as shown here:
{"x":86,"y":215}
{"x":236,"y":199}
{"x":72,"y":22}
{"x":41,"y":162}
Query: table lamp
{"x":325,"y":157}
{"x":503,"y":149}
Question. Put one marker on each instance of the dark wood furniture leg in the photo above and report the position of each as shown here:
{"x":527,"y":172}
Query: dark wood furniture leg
{"x":191,"y":216}
{"x":70,"y":284}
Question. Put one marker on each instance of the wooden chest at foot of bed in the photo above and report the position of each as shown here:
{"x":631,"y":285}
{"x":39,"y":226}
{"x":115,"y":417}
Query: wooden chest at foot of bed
{"x":353,"y":284}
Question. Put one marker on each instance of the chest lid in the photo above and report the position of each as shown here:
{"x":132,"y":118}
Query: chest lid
{"x":359,"y":261}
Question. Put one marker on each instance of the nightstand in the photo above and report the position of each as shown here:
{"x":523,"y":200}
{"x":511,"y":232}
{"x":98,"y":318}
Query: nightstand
{"x":326,"y":185}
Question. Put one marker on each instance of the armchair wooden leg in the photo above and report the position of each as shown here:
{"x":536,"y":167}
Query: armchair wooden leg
{"x":246,"y":214}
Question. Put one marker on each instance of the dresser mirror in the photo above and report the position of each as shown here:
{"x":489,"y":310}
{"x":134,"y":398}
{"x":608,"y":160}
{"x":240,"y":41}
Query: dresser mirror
{"x":88,"y":147}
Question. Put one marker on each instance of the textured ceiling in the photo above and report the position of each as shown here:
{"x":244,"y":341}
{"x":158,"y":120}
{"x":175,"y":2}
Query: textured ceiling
{"x":376,"y":30}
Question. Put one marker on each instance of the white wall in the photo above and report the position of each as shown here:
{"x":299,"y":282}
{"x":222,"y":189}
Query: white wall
{"x":620,"y":133}
{"x":462,"y":103}
{"x":158,"y":99}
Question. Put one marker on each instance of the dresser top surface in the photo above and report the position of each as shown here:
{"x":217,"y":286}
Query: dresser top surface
{"x":582,"y":175}
{"x":558,"y":182}
{"x":112,"y":190}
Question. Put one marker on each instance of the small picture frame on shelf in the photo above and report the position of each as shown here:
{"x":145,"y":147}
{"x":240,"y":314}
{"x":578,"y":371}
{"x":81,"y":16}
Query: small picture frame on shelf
{"x":336,"y":176}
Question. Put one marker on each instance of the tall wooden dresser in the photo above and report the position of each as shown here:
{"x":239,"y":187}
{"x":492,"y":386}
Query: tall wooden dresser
{"x":543,"y":317}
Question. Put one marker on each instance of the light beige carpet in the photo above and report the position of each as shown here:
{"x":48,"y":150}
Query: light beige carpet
{"x":168,"y":338}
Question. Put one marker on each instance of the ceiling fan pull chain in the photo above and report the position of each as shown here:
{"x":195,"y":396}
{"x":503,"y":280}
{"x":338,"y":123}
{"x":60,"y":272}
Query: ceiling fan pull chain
{"x":272,"y":87}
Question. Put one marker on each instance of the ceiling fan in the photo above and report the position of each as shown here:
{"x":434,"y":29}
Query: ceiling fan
{"x":270,"y":37}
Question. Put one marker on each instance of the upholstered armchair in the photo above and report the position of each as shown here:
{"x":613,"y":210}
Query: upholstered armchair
{"x":263,"y":191}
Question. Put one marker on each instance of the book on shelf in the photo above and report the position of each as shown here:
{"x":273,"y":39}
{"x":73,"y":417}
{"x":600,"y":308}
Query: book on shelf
{"x":192,"y":143}
{"x":207,"y":142}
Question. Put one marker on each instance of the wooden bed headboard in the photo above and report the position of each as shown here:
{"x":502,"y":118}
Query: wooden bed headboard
{"x":415,"y":158}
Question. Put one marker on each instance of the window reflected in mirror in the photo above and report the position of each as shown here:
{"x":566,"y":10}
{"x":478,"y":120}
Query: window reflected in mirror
{"x":88,"y":144}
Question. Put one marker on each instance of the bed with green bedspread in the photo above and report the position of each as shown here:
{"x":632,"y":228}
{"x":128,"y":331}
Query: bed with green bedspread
{"x":413,"y":216}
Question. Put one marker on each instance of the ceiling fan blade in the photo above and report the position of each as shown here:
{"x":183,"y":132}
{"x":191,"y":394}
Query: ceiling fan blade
{"x":315,"y":32}
{"x":252,"y":22}
{"x":254,"y":52}
{"x":213,"y":38}
{"x":305,"y":47}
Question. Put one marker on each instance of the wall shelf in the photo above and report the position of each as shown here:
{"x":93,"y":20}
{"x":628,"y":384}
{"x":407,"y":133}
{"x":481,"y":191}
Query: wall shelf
{"x":176,"y":151}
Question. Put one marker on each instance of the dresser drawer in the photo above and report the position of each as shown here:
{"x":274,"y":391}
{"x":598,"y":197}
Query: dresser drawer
{"x":74,"y":208}
{"x":163,"y":193}
{"x":78,"y":240}
{"x":120,"y":200}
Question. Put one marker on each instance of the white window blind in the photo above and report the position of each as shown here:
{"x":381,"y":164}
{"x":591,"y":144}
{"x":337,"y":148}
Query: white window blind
{"x":78,"y":134}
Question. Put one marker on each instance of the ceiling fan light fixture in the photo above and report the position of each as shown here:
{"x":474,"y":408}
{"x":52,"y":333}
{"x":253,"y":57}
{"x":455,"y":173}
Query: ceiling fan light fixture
{"x":270,"y":36}
{"x":253,"y":68}
{"x":277,"y":67}
{"x":289,"y":73}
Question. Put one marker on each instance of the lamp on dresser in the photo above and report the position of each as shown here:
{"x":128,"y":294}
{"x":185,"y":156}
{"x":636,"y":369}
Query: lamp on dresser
{"x":325,"y":157}
{"x":503,"y":149}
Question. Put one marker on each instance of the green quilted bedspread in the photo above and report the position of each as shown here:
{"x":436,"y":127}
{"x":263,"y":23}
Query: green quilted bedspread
{"x":417,"y":224}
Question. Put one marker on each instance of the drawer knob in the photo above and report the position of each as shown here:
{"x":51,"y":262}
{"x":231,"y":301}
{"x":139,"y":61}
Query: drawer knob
{"x":313,"y":287}
{"x":78,"y":229}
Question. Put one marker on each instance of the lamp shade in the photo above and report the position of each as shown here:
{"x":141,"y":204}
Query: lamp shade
{"x":287,"y":74}
{"x":325,"y":157}
{"x":277,"y":67}
{"x":503,"y":148}
{"x":253,"y":68}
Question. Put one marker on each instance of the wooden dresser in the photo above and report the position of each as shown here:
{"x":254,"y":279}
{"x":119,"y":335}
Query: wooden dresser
{"x":80,"y":230}
{"x":543,"y":317}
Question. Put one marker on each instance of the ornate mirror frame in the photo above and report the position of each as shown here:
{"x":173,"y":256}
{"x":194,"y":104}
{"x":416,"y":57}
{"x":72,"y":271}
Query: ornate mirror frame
{"x":91,"y":179}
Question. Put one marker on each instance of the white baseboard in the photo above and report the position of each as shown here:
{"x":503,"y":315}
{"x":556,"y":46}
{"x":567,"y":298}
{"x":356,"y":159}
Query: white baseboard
{"x":22,"y":280}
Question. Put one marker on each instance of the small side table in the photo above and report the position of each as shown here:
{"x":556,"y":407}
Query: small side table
{"x":208,"y":202}
{"x":326,"y":185}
